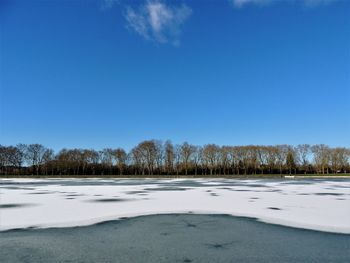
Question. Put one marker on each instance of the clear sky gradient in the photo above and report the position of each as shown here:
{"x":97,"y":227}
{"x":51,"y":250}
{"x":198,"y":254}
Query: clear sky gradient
{"x":95,"y":74}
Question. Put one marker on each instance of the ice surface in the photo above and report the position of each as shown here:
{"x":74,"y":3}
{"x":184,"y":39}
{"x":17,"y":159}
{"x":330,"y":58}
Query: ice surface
{"x":312,"y":204}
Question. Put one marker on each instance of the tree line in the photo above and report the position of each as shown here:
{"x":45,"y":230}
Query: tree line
{"x":153,"y":157}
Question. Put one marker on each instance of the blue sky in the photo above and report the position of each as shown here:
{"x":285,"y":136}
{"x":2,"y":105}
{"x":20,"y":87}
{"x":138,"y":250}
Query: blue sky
{"x":95,"y":73}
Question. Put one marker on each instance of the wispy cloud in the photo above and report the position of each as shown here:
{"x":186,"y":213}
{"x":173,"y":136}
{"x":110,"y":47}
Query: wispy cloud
{"x":108,"y":4}
{"x":158,"y":21}
{"x":312,"y":3}
{"x":240,"y":3}
{"x":307,"y":3}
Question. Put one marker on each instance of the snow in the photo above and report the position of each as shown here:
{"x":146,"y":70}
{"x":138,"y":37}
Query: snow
{"x":322,"y":205}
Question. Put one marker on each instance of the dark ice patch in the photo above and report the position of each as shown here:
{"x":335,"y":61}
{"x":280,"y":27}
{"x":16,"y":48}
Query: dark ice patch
{"x":256,"y":185}
{"x":108,"y":200}
{"x":219,"y":245}
{"x":274,"y":208}
{"x":40,"y":193}
{"x":17,"y":188}
{"x":330,"y":194}
{"x":167,"y":189}
{"x":135,"y":192}
{"x":272,"y":190}
{"x":341,"y":186}
{"x":301,"y":182}
{"x":14,"y":205}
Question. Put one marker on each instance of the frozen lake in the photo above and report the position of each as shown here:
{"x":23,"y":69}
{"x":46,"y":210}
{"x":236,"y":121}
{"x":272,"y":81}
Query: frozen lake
{"x":311,"y":204}
{"x":175,"y":238}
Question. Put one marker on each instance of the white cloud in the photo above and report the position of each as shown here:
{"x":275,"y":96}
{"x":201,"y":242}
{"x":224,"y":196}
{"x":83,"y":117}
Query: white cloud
{"x":307,"y":3}
{"x":108,"y":4}
{"x":157,"y":21}
{"x":240,"y":3}
{"x":312,"y":3}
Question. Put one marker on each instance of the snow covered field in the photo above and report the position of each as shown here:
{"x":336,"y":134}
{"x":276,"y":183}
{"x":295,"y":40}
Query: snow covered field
{"x":312,"y":204}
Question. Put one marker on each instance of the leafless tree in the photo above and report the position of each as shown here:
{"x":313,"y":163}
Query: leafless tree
{"x":152,"y":157}
{"x":34,"y":155}
{"x":10,"y":156}
{"x":281,"y":156}
{"x":186,"y":152}
{"x":169,"y":157}
{"x":138,"y":161}
{"x":148,"y":150}
{"x":321,"y":157}
{"x":225,"y":159}
{"x":290,"y":159}
{"x":211,"y":153}
{"x":159,"y":155}
{"x":177,"y":158}
{"x":120,"y":157}
{"x":106,"y":157}
{"x":48,"y":157}
{"x":338,"y":159}
{"x":302,"y":156}
{"x":197,"y":158}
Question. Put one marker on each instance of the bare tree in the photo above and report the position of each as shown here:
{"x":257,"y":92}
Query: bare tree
{"x":338,"y":159}
{"x":253,"y":162}
{"x":187,"y":152}
{"x":48,"y":157}
{"x":242,"y":158}
{"x":211,"y":156}
{"x":263,"y":157}
{"x":225,"y":158}
{"x":177,"y":158}
{"x":321,"y":157}
{"x":3,"y":160}
{"x":34,"y":155}
{"x":302,"y":155}
{"x":290,"y":159}
{"x":159,"y":156}
{"x":138,"y":160}
{"x":107,"y":156}
{"x":281,"y":154}
{"x":197,"y":158}
{"x":148,"y":150}
{"x":153,"y":157}
{"x":10,"y":156}
{"x":169,"y":157}
{"x":120,"y":157}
